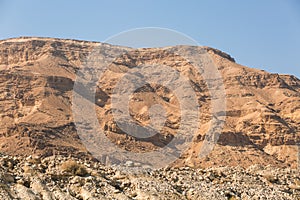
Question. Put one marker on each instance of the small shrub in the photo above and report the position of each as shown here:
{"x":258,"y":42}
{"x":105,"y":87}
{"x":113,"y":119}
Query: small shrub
{"x":271,"y":178}
{"x":74,"y":168}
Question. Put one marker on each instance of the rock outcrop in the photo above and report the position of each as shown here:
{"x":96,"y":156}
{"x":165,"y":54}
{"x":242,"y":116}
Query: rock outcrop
{"x":37,"y":76}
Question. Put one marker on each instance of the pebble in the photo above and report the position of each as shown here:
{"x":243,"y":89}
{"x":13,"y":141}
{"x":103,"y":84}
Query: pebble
{"x":167,"y":183}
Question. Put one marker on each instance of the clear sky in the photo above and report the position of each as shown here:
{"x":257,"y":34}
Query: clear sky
{"x":263,"y":34}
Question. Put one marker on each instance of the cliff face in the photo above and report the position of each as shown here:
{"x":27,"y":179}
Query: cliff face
{"x":37,"y":77}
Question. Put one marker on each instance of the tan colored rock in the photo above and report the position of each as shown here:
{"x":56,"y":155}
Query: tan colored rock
{"x":25,"y":193}
{"x":40,"y":188}
{"x":7,"y":178}
{"x":37,"y":77}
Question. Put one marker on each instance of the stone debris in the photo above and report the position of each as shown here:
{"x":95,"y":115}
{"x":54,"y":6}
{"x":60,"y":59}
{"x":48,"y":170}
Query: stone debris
{"x":48,"y":180}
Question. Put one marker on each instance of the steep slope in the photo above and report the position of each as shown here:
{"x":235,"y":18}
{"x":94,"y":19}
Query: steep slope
{"x":37,"y":77}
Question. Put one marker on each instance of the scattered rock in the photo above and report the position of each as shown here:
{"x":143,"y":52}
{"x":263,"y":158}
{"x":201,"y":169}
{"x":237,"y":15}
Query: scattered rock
{"x":168,"y":183}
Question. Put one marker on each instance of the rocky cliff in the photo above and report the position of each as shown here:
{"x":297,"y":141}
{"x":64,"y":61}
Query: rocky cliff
{"x":37,"y":75}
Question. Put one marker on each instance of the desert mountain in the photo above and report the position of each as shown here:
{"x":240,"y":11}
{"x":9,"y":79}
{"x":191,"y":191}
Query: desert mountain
{"x":37,"y":76}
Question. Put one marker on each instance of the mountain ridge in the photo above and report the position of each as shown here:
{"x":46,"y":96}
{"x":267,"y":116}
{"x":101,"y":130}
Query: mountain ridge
{"x":37,"y":77}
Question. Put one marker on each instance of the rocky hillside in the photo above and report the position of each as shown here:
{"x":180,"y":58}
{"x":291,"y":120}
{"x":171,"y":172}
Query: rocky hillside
{"x":37,"y":75}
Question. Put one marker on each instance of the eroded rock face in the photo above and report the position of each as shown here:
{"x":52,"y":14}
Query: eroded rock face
{"x":37,"y":77}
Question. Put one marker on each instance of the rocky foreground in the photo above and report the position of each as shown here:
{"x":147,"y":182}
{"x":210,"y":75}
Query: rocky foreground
{"x":58,"y":177}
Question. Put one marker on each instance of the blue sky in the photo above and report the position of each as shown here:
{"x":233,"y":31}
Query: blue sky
{"x":257,"y":33}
